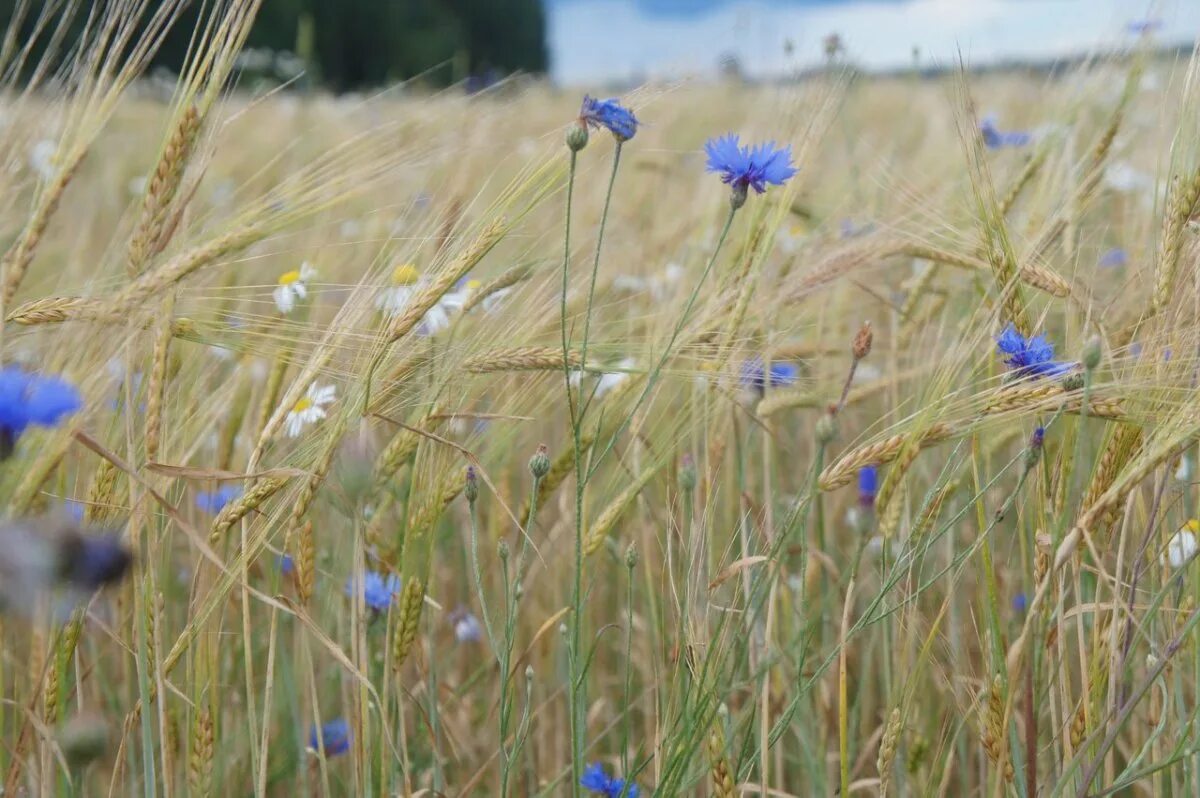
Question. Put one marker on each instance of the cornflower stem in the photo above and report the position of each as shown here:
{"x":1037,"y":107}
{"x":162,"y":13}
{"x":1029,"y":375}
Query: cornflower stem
{"x":504,"y":655}
{"x":587,"y":317}
{"x":576,"y":422}
{"x":625,"y":717}
{"x":577,"y":672}
{"x":843,"y":673}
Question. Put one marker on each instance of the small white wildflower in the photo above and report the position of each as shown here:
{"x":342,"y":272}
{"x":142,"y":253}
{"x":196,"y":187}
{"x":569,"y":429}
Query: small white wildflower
{"x":309,"y":409}
{"x":467,"y":628}
{"x":608,"y":380}
{"x":1125,"y":179}
{"x":630,"y":283}
{"x":395,"y":298}
{"x":1182,"y":546}
{"x":1184,"y":472}
{"x":293,"y":286}
{"x":41,"y":158}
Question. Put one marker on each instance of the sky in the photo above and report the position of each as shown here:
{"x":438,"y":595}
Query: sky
{"x":603,"y":41}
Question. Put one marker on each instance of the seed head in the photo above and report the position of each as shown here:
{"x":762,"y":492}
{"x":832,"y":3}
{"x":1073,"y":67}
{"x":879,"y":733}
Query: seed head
{"x":502,"y":550}
{"x":631,"y":557}
{"x":471,"y":489}
{"x":862,"y":341}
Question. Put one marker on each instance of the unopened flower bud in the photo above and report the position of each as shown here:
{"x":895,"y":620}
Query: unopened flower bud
{"x":1033,"y":452}
{"x":631,"y":557}
{"x":539,"y":464}
{"x":577,"y":136}
{"x":1092,"y":352}
{"x":826,"y":429}
{"x":502,"y":550}
{"x":862,"y":341}
{"x":687,"y":474}
{"x":1073,"y":382}
{"x":471,"y":489}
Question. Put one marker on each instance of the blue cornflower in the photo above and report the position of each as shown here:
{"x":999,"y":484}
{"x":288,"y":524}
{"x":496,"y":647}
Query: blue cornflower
{"x":995,"y":139}
{"x":214,"y":501}
{"x":95,"y":561}
{"x":755,"y":375}
{"x":27,"y":399}
{"x":748,"y":167}
{"x":335,"y":735}
{"x":609,"y":114}
{"x":378,"y":590}
{"x":1030,"y":357}
{"x":286,"y":564}
{"x":1019,"y":603}
{"x":868,"y":485}
{"x":595,"y":780}
{"x":467,"y":628}
{"x":1113,"y":258}
{"x":75,"y":509}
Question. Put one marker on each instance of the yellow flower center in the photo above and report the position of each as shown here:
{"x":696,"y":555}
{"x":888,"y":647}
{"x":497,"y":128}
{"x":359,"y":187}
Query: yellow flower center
{"x":287,"y":278}
{"x":405,"y":274}
{"x":473,"y":285}
{"x":302,"y":405}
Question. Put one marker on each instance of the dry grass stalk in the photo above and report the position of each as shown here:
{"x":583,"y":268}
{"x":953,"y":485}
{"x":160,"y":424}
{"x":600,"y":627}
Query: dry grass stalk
{"x":718,"y":763}
{"x":1123,"y":445}
{"x":529,"y":358}
{"x":1182,"y":204}
{"x":412,"y":600}
{"x":508,"y":279}
{"x":846,"y":467}
{"x":153,"y":230}
{"x":158,"y":378}
{"x":1032,"y":274}
{"x":16,"y":261}
{"x":1050,"y":396}
{"x":200,"y":763}
{"x":237,"y":509}
{"x":887,"y":750}
{"x":607,"y":519}
{"x":994,"y":739}
{"x":103,"y":502}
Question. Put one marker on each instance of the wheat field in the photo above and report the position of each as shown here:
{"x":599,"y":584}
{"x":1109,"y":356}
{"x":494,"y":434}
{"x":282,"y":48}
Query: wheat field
{"x":456,"y":461}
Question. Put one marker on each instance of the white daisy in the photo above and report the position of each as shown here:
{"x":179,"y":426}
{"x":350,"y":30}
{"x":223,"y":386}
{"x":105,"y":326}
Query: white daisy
{"x":292,"y":286}
{"x":405,"y":283}
{"x":309,"y":409}
{"x":395,"y":298}
{"x":1182,"y":546}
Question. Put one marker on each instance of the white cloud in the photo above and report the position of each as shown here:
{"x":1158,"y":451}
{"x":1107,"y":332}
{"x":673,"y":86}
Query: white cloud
{"x":595,"y":40}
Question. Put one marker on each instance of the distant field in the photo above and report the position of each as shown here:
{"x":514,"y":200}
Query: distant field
{"x":799,"y":526}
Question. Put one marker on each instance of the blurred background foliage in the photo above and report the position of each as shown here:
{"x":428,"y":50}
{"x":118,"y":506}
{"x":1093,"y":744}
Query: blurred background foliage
{"x":341,"y":45}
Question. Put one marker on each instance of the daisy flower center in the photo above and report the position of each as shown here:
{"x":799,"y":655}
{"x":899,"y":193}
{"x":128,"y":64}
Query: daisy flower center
{"x":288,"y":278}
{"x":404,"y":274}
{"x":302,"y":405}
{"x":473,"y":285}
